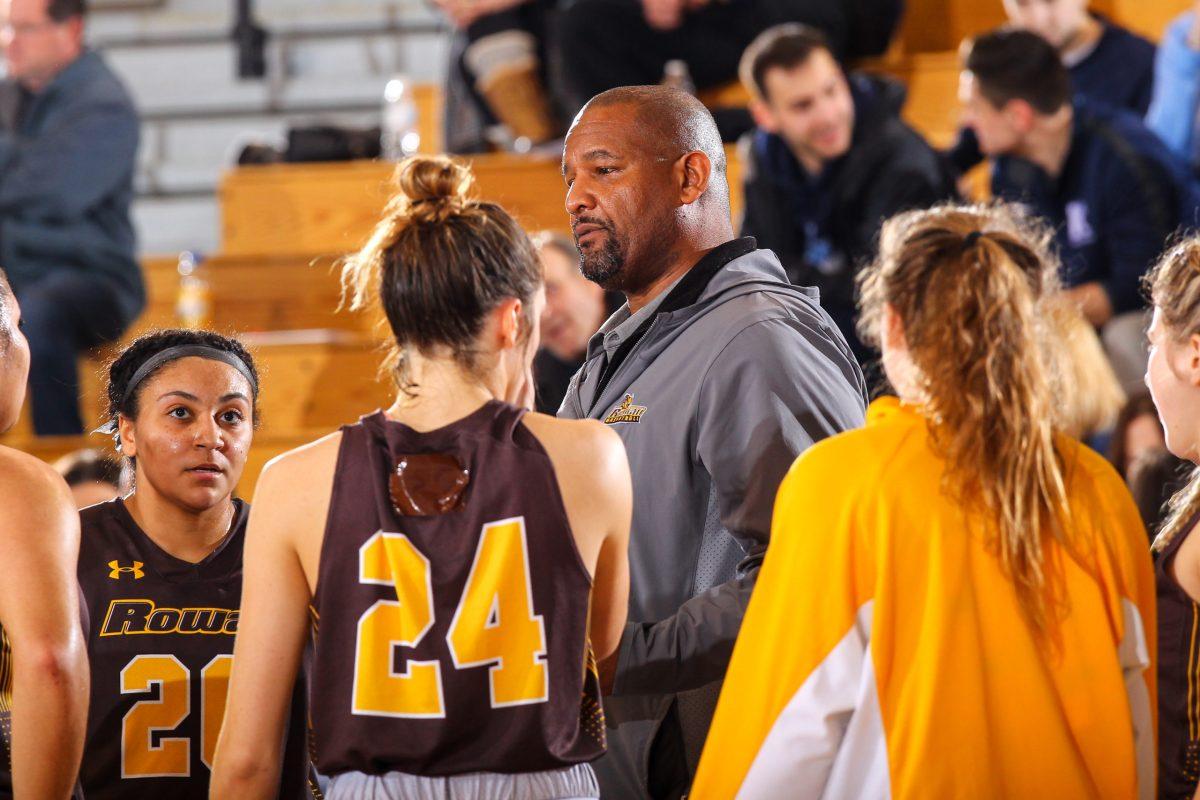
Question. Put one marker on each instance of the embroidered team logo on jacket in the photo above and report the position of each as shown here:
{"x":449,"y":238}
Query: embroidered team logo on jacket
{"x":625,"y":412}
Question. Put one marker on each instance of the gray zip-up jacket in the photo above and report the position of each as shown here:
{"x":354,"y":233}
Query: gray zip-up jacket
{"x":715,"y":392}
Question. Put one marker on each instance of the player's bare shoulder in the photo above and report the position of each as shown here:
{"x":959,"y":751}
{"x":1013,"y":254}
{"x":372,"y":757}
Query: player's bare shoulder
{"x":33,"y":478}
{"x":45,"y":496}
{"x":314,"y":455}
{"x":586,"y":450}
{"x":298,"y":483}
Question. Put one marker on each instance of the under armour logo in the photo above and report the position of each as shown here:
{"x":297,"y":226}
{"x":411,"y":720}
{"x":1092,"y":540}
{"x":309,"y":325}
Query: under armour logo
{"x":116,"y":570}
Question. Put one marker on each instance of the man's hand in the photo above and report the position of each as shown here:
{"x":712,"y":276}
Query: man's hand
{"x":463,"y":12}
{"x":664,"y":15}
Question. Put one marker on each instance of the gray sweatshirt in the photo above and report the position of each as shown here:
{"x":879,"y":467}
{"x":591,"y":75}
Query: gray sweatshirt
{"x":715,"y":389}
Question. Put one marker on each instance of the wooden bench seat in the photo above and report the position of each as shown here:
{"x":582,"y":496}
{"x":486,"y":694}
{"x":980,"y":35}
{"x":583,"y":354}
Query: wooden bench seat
{"x":309,"y":379}
{"x":259,"y":293}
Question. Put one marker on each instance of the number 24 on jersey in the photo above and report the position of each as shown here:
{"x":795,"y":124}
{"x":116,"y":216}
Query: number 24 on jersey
{"x":493,"y":626}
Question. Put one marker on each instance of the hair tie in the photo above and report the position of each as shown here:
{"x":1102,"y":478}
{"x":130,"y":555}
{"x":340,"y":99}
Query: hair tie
{"x":972,"y":239}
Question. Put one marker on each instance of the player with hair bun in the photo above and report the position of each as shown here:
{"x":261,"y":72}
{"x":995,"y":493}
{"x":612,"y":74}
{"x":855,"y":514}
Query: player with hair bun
{"x":462,"y":561}
{"x":161,"y":571}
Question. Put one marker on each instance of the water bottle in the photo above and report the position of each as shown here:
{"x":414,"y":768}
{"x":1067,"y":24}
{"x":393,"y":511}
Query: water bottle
{"x":193,"y":302}
{"x":677,"y":75}
{"x":399,"y":136}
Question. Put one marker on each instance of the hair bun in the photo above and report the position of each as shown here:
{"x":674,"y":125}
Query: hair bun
{"x":432,"y":188}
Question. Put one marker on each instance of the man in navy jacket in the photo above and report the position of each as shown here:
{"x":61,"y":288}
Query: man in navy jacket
{"x":829,"y":161}
{"x":1109,"y":65}
{"x":68,"y":146}
{"x":1110,"y":188}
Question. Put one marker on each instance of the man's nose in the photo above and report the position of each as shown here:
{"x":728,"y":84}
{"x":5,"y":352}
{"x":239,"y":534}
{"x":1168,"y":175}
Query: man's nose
{"x":579,"y":198}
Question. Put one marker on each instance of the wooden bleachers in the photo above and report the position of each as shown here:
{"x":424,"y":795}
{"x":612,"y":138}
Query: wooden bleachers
{"x":283,"y":228}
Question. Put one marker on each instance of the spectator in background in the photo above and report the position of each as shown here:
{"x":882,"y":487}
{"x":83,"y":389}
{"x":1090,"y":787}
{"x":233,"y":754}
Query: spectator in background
{"x":93,"y":476}
{"x":829,"y":162}
{"x":1173,"y":111}
{"x":68,"y":145}
{"x":1108,"y":64}
{"x":1137,"y":432}
{"x":1109,"y":187}
{"x":501,"y":63}
{"x":575,"y":310}
{"x":610,"y":43}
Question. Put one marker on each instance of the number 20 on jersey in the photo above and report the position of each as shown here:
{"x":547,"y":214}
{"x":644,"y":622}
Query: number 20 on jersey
{"x":494,"y":626}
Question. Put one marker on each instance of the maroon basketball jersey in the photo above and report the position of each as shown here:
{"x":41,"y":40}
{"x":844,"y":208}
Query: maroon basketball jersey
{"x":161,"y":648}
{"x":457,"y":641}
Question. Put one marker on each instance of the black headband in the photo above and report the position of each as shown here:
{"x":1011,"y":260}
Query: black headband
{"x":173,"y":354}
{"x":972,"y":239}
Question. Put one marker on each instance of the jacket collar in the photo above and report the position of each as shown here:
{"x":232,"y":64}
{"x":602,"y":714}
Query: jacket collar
{"x":687,"y":291}
{"x":78,"y":71}
{"x":692,"y":285}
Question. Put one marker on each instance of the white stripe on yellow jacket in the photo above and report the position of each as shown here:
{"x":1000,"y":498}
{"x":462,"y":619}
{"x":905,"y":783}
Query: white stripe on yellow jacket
{"x":828,"y":740}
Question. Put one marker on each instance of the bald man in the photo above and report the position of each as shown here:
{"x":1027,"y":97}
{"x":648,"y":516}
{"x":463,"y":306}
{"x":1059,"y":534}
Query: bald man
{"x":716,"y":373}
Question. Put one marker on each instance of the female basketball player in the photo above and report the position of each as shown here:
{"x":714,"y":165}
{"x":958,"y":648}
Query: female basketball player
{"x":1173,"y":374}
{"x":161,"y":569}
{"x":957,"y":600}
{"x":43,"y":662}
{"x":458,"y":553}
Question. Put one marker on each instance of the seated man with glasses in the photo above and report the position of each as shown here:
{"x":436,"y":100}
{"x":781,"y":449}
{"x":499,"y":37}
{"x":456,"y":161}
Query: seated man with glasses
{"x":68,"y":147}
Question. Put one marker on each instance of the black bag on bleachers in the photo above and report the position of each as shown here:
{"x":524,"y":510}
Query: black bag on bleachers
{"x":331,"y":143}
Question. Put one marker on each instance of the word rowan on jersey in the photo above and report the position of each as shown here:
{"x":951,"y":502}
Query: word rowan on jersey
{"x":137,"y":616}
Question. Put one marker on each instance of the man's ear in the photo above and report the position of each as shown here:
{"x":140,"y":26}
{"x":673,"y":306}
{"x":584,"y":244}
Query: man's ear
{"x":694,"y":172}
{"x":1020,"y":115}
{"x":763,"y":116}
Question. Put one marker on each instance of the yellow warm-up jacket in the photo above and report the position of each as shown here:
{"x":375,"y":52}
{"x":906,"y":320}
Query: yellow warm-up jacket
{"x":885,"y":652}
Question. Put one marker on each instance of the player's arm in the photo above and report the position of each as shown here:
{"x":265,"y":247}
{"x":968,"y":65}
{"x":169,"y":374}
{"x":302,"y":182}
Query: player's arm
{"x":593,"y":476}
{"x":610,"y":584}
{"x":39,"y":610}
{"x":272,"y":627}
